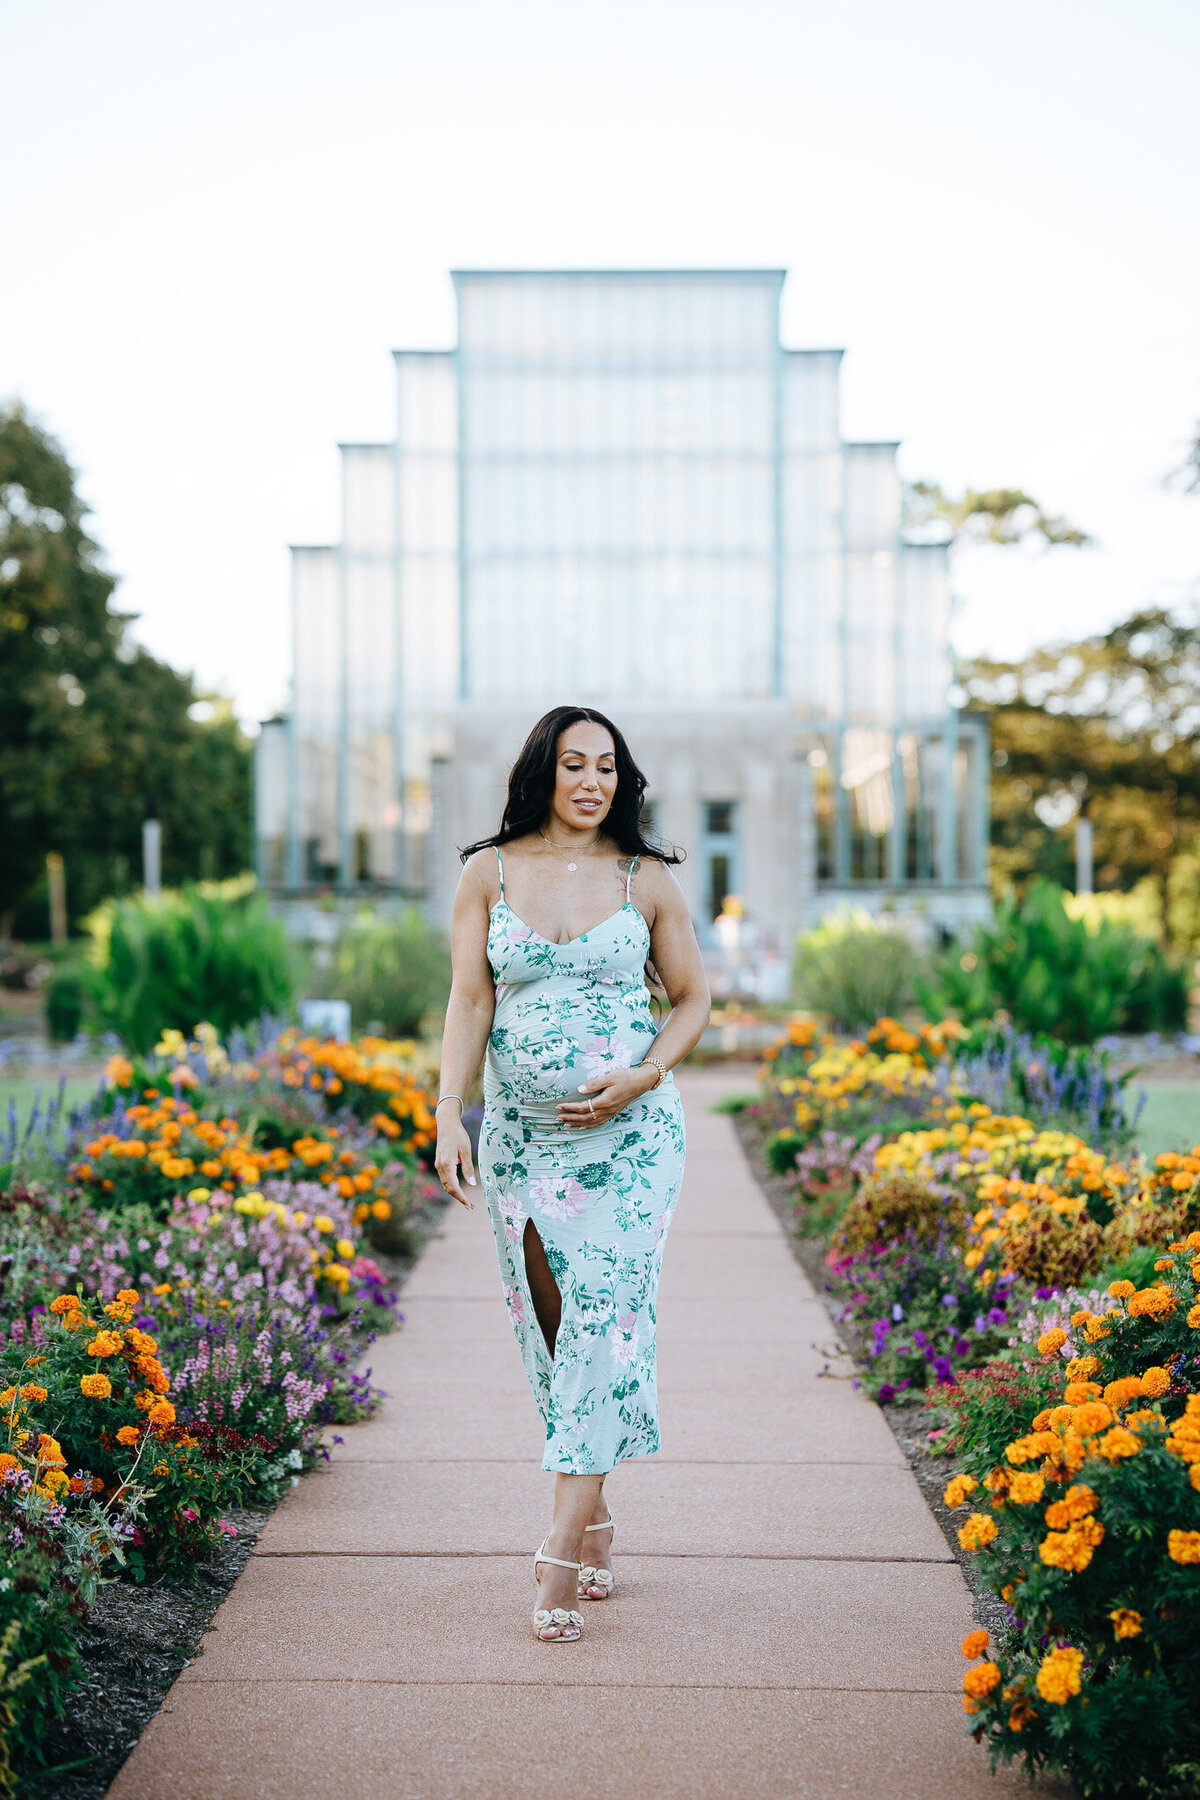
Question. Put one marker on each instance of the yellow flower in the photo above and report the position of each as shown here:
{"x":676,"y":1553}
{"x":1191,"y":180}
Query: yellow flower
{"x":957,"y":1489}
{"x":54,"y":1480}
{"x":1082,"y":1368}
{"x":1126,"y":1622}
{"x":1184,"y":1546}
{"x":1193,"y":1317}
{"x":322,"y":1223}
{"x":1058,"y":1678}
{"x":1024,"y":1489}
{"x":345,"y":1249}
{"x":978,"y":1531}
{"x":975,"y":1643}
{"x":1051,"y":1342}
{"x":95,"y":1387}
{"x":162,"y":1287}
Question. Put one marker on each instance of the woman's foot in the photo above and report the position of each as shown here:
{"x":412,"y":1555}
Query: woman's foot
{"x":596,"y":1555}
{"x":557,"y":1592}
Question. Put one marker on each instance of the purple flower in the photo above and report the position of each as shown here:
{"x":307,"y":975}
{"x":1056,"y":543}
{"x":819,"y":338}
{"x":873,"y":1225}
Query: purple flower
{"x":886,"y":1393}
{"x":897,"y":1311}
{"x":942,"y":1370}
{"x":962,"y":1346}
{"x":997,"y":1316}
{"x":949,"y":1299}
{"x":920,"y":1340}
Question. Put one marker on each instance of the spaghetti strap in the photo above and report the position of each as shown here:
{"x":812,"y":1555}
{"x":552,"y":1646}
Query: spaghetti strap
{"x":629,"y":877}
{"x":500,"y":866}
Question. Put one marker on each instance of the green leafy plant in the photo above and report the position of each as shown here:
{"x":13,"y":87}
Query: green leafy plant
{"x":889,"y":1207}
{"x":854,"y":969}
{"x":392,"y":971}
{"x":209,"y":952}
{"x":1051,"y":973}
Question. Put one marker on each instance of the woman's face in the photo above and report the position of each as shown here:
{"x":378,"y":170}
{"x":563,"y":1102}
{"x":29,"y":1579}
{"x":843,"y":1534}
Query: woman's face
{"x":586,"y":776}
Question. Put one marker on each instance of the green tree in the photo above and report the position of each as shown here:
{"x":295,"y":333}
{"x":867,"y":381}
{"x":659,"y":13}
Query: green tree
{"x":94,"y":731}
{"x":1110,"y":723}
{"x":994,"y":515}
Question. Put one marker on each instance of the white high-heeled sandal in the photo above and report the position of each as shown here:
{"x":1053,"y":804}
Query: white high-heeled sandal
{"x":601,"y":1578}
{"x":568,"y":1624}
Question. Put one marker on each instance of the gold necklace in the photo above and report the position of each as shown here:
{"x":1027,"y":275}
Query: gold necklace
{"x":572,"y":866}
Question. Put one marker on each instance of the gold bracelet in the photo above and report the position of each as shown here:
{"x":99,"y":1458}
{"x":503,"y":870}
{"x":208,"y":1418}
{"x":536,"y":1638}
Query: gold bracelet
{"x":661,"y":1067}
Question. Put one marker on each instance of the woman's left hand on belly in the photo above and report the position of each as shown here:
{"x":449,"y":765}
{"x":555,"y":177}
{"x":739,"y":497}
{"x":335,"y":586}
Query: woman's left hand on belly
{"x":606,"y":1096}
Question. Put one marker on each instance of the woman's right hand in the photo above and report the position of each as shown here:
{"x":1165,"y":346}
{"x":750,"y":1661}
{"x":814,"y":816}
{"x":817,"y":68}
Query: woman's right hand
{"x":454,"y":1154}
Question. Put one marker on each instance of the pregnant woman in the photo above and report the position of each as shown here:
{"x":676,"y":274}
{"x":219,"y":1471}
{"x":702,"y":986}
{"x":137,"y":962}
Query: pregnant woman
{"x":581,"y":1152}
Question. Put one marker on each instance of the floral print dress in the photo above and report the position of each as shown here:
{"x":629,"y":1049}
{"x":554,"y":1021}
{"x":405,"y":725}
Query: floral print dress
{"x":600,"y":1198}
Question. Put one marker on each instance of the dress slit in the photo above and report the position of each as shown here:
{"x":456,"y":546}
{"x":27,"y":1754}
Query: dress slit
{"x":541,"y":1285}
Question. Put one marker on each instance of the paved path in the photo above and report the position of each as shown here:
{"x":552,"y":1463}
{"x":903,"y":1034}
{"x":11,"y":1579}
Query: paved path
{"x":788,"y":1617}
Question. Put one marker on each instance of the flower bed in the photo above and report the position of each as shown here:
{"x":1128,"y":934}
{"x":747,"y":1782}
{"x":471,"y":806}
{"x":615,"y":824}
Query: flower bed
{"x":187,"y":1286}
{"x":1038,"y":1289}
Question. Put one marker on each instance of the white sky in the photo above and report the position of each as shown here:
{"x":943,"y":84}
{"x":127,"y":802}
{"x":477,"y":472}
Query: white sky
{"x":218,"y":220}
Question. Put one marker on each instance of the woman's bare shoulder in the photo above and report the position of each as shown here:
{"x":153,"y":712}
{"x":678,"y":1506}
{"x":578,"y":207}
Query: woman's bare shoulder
{"x":655,"y":884}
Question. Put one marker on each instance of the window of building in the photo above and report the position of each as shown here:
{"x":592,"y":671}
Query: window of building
{"x":718,"y":855}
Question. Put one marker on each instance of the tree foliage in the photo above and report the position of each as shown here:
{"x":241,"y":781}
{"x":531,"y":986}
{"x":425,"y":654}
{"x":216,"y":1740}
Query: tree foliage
{"x":94,"y":731}
{"x":991,"y":515}
{"x":1110,"y":724}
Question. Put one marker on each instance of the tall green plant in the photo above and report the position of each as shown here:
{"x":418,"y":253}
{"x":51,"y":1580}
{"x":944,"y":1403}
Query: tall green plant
{"x":1052,"y":974}
{"x":392,"y":971}
{"x":854,"y":969}
{"x":208,"y":952}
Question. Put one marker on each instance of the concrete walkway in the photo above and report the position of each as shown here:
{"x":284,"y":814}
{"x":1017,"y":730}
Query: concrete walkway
{"x":788,"y":1615}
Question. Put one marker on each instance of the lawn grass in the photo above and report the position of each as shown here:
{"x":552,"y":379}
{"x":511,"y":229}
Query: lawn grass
{"x":1170,"y":1118}
{"x":23,"y":1090}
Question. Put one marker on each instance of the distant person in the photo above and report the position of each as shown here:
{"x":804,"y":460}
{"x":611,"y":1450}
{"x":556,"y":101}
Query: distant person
{"x":582,"y":1148}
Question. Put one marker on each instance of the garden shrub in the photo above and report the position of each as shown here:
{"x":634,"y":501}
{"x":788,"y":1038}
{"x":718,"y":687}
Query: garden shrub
{"x":889,"y":1207}
{"x":392,"y":971}
{"x":207,"y":952}
{"x":986,"y":1406}
{"x":63,"y":1002}
{"x":1049,"y":972}
{"x":854,"y":969}
{"x":1051,"y":1249}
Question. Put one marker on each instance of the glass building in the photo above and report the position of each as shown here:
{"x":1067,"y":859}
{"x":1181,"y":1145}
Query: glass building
{"x":621,"y":490}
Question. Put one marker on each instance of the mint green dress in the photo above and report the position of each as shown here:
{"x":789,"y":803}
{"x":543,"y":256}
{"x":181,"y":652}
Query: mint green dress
{"x":600,"y":1198}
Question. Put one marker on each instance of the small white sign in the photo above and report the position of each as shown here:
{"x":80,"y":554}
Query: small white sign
{"x":326,"y":1019}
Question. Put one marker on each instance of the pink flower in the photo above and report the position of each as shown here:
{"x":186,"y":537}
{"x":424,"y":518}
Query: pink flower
{"x":515,"y":1303}
{"x":625,"y":1347}
{"x":228,"y":1529}
{"x":557,"y":1197}
{"x":514,"y":1220}
{"x":600,"y":1054}
{"x":189,"y":1514}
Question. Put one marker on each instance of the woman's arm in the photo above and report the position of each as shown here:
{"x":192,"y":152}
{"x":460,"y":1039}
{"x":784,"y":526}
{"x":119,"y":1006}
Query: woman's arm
{"x":676,"y":957}
{"x":468,"y":1022}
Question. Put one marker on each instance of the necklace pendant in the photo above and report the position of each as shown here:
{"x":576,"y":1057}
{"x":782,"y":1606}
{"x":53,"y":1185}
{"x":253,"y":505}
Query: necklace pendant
{"x":572,"y":865}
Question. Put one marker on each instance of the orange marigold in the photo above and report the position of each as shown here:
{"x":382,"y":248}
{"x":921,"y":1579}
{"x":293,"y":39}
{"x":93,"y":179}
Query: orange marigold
{"x":65,"y":1303}
{"x":1184,"y":1546}
{"x":1076,"y":1503}
{"x":1059,"y":1677}
{"x":105,"y":1343}
{"x":1051,"y":1341}
{"x":1082,"y":1368}
{"x":957,"y":1489}
{"x":1155,"y":1381}
{"x":1126,"y":1622}
{"x":162,"y":1413}
{"x":128,"y":1434}
{"x":1121,"y":1290}
{"x":1024,"y":1489}
{"x":1076,"y":1392}
{"x":980,"y":1681}
{"x":1091,"y":1417}
{"x":1126,"y":1388}
{"x":1118,"y":1443}
{"x":1153,"y":1303}
{"x":95,"y":1387}
{"x":975,"y":1643}
{"x":978,"y":1531}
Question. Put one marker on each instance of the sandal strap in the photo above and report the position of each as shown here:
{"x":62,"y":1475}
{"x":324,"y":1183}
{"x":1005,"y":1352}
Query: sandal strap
{"x":558,"y":1561}
{"x":609,"y":1524}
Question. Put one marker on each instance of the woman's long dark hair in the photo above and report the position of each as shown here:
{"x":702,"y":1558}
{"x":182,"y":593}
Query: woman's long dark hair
{"x":532,"y":779}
